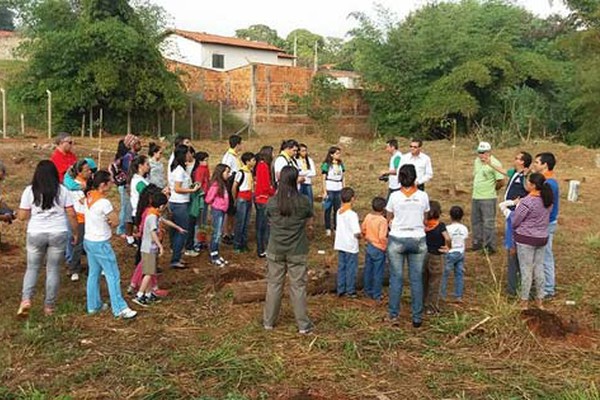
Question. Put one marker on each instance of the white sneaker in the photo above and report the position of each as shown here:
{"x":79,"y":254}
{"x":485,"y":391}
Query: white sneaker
{"x":74,"y":277}
{"x":191,"y":253}
{"x":328,"y":232}
{"x":127,"y":313}
{"x":224,"y":261}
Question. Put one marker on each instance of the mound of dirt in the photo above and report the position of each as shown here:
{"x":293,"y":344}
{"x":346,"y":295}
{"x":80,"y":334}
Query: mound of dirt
{"x":547,"y":324}
{"x":236,"y":275}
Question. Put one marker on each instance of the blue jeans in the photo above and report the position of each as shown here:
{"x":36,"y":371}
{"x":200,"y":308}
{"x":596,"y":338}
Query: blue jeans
{"x":413,"y":250}
{"x":346,"y":277}
{"x":125,"y":211}
{"x":307,"y":190}
{"x":181,"y":217}
{"x":262,"y":229}
{"x":335,"y":202}
{"x":549,"y":275}
{"x":243,"y":211}
{"x":101,"y":257}
{"x":373,"y":274}
{"x":455,"y":262}
{"x":218,"y":217}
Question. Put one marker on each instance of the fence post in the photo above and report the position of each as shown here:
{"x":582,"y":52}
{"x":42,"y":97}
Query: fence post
{"x":3,"y":112}
{"x":172,"y":122}
{"x":220,"y":120}
{"x":22,"y":125}
{"x":191,"y":118}
{"x":159,"y":127}
{"x":91,"y":122}
{"x":128,"y":122}
{"x":49,"y":93}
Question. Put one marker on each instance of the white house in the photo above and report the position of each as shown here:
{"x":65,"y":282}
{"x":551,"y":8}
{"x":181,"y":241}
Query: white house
{"x":219,"y":52}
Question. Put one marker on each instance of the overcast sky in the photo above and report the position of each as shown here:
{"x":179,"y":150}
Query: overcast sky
{"x":324,"y":17}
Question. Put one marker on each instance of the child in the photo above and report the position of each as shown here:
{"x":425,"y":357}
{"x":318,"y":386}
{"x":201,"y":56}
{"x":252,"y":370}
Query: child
{"x":99,"y":218}
{"x":438,"y":241}
{"x":306,"y":168}
{"x":201,"y":176}
{"x":151,"y":248}
{"x":346,"y":242}
{"x":157,"y":169}
{"x":262,"y":192}
{"x":375,"y":230}
{"x":333,"y":171}
{"x":243,"y":188}
{"x":455,"y":259}
{"x":218,"y":198}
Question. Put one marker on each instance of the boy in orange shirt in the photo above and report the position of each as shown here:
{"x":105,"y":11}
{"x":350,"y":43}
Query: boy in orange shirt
{"x":375,"y":231}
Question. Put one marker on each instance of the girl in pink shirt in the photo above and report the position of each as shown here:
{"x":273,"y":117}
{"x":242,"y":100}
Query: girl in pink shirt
{"x":218,"y":199}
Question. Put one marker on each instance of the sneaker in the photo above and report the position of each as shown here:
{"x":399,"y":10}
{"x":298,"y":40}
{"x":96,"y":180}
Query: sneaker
{"x":104,"y":308}
{"x":48,"y":311}
{"x":217,"y":262}
{"x":74,"y":277}
{"x":352,"y":295}
{"x":161,"y":292}
{"x":24,"y":309}
{"x":394,"y":321}
{"x":328,"y":232}
{"x":268,"y":327}
{"x":127,"y":313}
{"x":262,"y":255}
{"x":224,"y":261}
{"x":417,"y":324}
{"x":306,"y":331}
{"x":178,"y":265}
{"x":153,"y":298}
{"x":141,"y":301}
{"x":191,"y":253}
{"x":131,"y":290}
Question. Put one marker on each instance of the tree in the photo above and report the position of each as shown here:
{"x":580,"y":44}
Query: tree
{"x":98,"y":55}
{"x":261,"y":33}
{"x":6,"y":19}
{"x":305,"y":43}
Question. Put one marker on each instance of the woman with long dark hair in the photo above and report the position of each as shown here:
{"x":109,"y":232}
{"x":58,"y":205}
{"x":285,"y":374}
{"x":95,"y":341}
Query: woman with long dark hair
{"x":218,"y":199}
{"x":138,"y":172}
{"x":263,"y":191}
{"x":333,"y":171}
{"x":47,"y":205}
{"x":307,"y":170}
{"x":289,"y":213}
{"x":407,"y":210}
{"x":530,"y":222}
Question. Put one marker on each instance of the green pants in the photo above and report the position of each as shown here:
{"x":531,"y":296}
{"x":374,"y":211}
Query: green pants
{"x":296,"y":267}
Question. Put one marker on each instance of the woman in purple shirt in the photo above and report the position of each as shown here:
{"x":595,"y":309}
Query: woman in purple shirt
{"x":530,"y":232}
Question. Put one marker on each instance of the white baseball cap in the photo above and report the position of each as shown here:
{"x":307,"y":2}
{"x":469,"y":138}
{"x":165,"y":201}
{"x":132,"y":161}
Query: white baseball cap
{"x":484,"y":147}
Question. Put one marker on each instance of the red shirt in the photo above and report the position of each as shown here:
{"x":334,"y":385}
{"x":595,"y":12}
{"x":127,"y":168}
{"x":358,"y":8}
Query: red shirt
{"x":263,"y":185}
{"x":62,"y":161}
{"x":202,"y":176}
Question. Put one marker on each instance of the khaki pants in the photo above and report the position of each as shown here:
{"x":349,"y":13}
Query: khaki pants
{"x":295,"y":266}
{"x":432,"y":279}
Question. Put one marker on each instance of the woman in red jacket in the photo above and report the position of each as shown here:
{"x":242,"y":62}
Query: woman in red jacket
{"x":263,"y":191}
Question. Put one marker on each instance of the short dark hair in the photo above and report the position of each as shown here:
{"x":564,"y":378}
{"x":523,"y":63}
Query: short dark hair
{"x":413,"y":140}
{"x":234,"y":140}
{"x":548,"y":159}
{"x":289,"y":144}
{"x":179,"y":139}
{"x":526,"y":157}
{"x":456,"y":213}
{"x":378,"y":204}
{"x":392,"y":143}
{"x":247,"y":156}
{"x":201,"y":156}
{"x":407,"y":174}
{"x":435,"y":210}
{"x":159,"y":199}
{"x":347,"y":194}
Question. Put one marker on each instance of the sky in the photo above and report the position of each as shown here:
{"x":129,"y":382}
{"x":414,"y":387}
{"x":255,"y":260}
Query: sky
{"x":323,"y":17}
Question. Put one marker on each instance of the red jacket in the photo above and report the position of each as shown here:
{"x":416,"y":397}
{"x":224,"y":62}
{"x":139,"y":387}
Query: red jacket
{"x":62,"y":161}
{"x":202,"y":176}
{"x":263,"y":185}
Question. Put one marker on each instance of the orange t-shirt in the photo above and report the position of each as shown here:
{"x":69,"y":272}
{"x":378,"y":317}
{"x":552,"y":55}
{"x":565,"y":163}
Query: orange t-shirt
{"x":375,"y":230}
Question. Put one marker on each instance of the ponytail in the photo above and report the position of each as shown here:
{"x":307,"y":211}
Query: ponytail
{"x":544,"y":187}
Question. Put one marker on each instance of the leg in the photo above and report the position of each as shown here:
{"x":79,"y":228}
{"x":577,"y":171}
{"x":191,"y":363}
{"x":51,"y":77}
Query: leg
{"x":538,"y":272}
{"x":476,"y":224}
{"x":217,"y":223}
{"x":549,"y":274}
{"x":416,"y":260}
{"x":426,"y":274}
{"x":37,"y":244}
{"x":448,"y":268}
{"x":124,"y":199}
{"x":341,"y":273}
{"x":55,"y":254}
{"x":328,"y":210}
{"x":191,"y":231}
{"x":395,"y":253}
{"x":337,"y":203}
{"x":94,"y":301}
{"x":247,"y":217}
{"x":368,"y":272}
{"x":75,"y":263}
{"x":378,"y":257}
{"x":525,"y":254}
{"x":108,"y":261}
{"x":297,"y":271}
{"x":488,"y":210}
{"x":261,"y":227}
{"x":275,"y":280}
{"x":459,"y":280}
{"x":512,"y":274}
{"x":436,"y":269}
{"x":181,"y":218}
{"x":351,"y":270}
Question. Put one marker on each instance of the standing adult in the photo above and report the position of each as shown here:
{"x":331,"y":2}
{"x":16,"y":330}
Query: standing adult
{"x":530,"y":223}
{"x":486,"y":182}
{"x":179,"y":140}
{"x":286,"y":157}
{"x":406,"y":209}
{"x":180,"y":184}
{"x":544,"y":164}
{"x":47,"y":206}
{"x":391,"y":146}
{"x":63,"y":156}
{"x":133,"y":145}
{"x":263,"y":191}
{"x":157,"y":169}
{"x":307,"y":171}
{"x":6,"y":214}
{"x":231,"y":158}
{"x":289,"y":213}
{"x":421,"y":161}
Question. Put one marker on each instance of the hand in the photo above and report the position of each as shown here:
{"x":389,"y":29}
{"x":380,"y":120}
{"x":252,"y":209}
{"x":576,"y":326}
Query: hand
{"x":75,"y":238}
{"x":181,"y":230}
{"x":161,"y":250}
{"x":444,"y":249}
{"x":517,"y":201}
{"x":513,"y":251}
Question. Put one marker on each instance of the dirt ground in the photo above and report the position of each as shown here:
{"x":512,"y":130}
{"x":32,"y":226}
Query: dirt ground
{"x":197,"y":344}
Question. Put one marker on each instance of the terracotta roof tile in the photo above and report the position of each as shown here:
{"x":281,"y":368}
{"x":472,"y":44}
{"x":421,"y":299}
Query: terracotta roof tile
{"x":285,"y":55}
{"x":202,"y":37}
{"x":6,"y":33}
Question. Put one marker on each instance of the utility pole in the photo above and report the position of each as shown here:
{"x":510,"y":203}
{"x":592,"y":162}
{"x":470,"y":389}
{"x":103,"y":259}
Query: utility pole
{"x":49,"y":93}
{"x":3,"y":112}
{"x":316,"y":66}
{"x":295,"y":50}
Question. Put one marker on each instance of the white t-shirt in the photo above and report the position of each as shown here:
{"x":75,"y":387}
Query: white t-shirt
{"x":347,"y":227}
{"x":179,"y":175}
{"x":246,"y":180}
{"x":171,"y":158}
{"x":334,"y":176}
{"x":458,"y":234}
{"x":78,"y":199}
{"x":231,"y":161}
{"x":408,"y":214}
{"x":279,"y":163}
{"x":136,"y":190}
{"x":97,"y":228}
{"x":309,"y":172}
{"x":53,"y":220}
{"x":395,"y":160}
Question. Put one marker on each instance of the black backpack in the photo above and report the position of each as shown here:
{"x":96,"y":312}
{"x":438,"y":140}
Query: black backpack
{"x":119,"y":177}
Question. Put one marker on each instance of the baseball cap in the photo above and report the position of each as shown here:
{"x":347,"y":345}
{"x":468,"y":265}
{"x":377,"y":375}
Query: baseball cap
{"x":483,"y":147}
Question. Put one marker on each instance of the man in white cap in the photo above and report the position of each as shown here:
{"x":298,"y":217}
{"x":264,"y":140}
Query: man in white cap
{"x":486,"y":183}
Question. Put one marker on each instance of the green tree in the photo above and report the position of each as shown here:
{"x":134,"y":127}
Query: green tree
{"x":98,"y":54}
{"x":305,"y":42}
{"x":261,"y":33}
{"x":6,"y":19}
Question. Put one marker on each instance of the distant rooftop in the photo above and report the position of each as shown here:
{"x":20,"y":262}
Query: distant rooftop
{"x":202,"y":37}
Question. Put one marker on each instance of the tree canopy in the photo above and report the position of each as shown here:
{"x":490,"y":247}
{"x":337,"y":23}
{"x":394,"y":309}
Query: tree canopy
{"x":6,"y":18}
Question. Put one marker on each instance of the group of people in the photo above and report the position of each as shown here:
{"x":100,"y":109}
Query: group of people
{"x":69,"y":214}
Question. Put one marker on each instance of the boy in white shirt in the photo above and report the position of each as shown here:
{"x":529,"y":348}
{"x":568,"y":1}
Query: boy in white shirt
{"x":346,"y":243}
{"x":455,"y":259}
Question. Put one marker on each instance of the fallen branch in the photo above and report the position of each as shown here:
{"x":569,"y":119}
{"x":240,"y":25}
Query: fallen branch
{"x":463,"y":334}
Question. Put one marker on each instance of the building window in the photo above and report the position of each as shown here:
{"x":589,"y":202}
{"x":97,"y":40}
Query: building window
{"x":218,"y":61}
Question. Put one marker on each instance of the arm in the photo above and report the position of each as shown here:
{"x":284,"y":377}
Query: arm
{"x":447,"y":243}
{"x":311,"y":170}
{"x":519,"y":215}
{"x":156,"y":240}
{"x":324,"y":176}
{"x":113,"y":219}
{"x":179,"y":189}
{"x":428,"y":171}
{"x":173,"y":225}
{"x":72,"y":218}
{"x":23,"y":215}
{"x":235,"y":189}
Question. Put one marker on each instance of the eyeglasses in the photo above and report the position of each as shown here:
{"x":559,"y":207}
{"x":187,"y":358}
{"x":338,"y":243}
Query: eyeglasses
{"x":414,"y":147}
{"x":68,"y":141}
